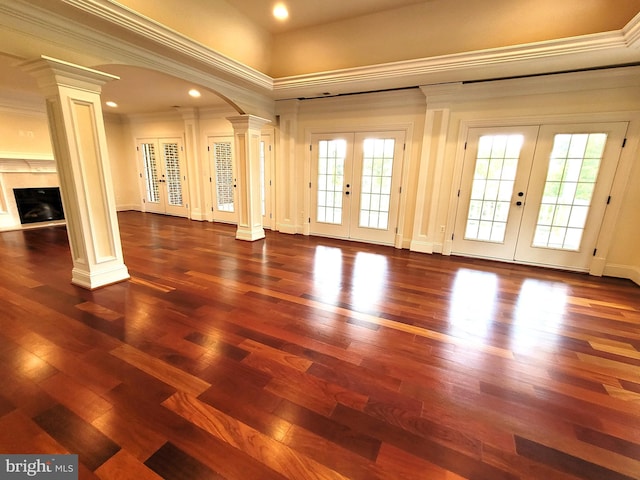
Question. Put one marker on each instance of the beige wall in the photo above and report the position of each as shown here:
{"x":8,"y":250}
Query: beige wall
{"x":123,"y":164}
{"x":24,"y":129}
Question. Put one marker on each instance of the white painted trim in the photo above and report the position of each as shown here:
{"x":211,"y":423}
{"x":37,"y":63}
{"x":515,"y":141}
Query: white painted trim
{"x":241,"y":83}
{"x":421,"y":246}
{"x":131,"y":20}
{"x":623,"y":271}
{"x":35,"y":159}
{"x":128,"y":206}
{"x":100,"y":277}
{"x":631,"y":32}
{"x":525,"y":59}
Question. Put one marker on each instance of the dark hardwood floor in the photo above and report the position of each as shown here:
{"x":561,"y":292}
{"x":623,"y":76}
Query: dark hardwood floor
{"x":308,"y":358}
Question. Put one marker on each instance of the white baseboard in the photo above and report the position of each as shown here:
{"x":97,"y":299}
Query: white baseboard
{"x":623,"y":271}
{"x":421,"y":246}
{"x":124,"y":207}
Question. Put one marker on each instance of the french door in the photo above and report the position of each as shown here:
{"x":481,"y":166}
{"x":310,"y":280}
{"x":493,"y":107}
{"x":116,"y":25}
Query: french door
{"x":223,"y":179}
{"x":266,"y":184}
{"x":164,"y":176}
{"x":355,"y":185}
{"x":536,"y":194}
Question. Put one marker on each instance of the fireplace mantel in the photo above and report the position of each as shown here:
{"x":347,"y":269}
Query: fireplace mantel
{"x":23,"y":170}
{"x":26,"y":163}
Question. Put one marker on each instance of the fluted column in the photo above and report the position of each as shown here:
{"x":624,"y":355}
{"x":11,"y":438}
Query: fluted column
{"x":72,"y":95}
{"x":246,"y":132}
{"x":286,"y":169}
{"x":195,"y":177}
{"x":428,"y":234}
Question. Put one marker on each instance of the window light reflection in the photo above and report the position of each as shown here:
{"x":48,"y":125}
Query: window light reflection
{"x":473,"y":301}
{"x":538,"y":313}
{"x":369,"y":280}
{"x":327,"y":274}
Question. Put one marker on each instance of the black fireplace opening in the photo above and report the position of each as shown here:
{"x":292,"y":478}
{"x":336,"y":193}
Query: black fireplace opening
{"x":39,"y":204}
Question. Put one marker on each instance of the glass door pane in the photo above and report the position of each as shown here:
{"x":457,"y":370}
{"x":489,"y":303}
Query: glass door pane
{"x":375,"y":188}
{"x":330,"y":180}
{"x":148,"y":151}
{"x":223,"y":162}
{"x":494,"y":175}
{"x":172,"y":169}
{"x":571,"y":177}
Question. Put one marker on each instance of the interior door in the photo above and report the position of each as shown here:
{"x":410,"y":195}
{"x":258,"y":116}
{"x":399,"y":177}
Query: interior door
{"x":223,"y":180}
{"x":164,"y":176}
{"x":536,"y":194}
{"x":355,"y":185}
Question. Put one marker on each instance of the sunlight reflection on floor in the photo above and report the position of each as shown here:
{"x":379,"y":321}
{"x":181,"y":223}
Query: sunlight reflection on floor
{"x":535,"y":319}
{"x":327,"y":274}
{"x":472,"y":305}
{"x":538,"y":313}
{"x":368,"y":282}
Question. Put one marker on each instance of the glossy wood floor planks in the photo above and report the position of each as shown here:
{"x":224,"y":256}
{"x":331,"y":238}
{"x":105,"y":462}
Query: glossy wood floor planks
{"x":300,"y":358}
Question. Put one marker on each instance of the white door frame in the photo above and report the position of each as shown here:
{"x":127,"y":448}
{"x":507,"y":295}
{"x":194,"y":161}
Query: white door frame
{"x":163,"y":207}
{"x":407,"y":128}
{"x":214,"y":214}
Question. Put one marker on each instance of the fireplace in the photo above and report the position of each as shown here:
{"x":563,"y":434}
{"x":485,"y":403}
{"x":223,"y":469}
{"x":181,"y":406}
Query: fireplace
{"x":39,"y":204}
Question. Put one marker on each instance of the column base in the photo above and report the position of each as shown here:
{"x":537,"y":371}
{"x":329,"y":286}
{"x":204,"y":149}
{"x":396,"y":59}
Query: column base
{"x":86,"y":279}
{"x":250,"y":234}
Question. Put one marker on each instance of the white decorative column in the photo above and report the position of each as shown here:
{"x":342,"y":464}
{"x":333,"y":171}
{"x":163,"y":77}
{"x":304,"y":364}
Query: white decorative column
{"x":427,"y":235}
{"x":246,"y":133}
{"x":287,"y":209}
{"x":191,"y":119}
{"x":72,"y":95}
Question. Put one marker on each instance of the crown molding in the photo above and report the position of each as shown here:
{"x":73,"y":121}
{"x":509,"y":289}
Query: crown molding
{"x":631,"y":32}
{"x":243,"y":87}
{"x":128,"y":19}
{"x":251,"y":91}
{"x":599,"y":49}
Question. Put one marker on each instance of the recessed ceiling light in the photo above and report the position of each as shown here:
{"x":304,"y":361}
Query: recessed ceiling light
{"x":111,"y":104}
{"x":280,"y":11}
{"x":194,"y":93}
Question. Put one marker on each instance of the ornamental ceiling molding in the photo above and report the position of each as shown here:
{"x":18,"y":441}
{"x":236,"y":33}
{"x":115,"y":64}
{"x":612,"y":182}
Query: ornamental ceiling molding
{"x":134,"y":22}
{"x":235,"y":79}
{"x":623,"y":45}
{"x":231,"y":80}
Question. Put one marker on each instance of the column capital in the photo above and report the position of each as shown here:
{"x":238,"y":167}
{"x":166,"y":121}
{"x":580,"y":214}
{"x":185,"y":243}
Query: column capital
{"x":441,"y":94}
{"x":247,"y":122}
{"x":51,"y":73}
